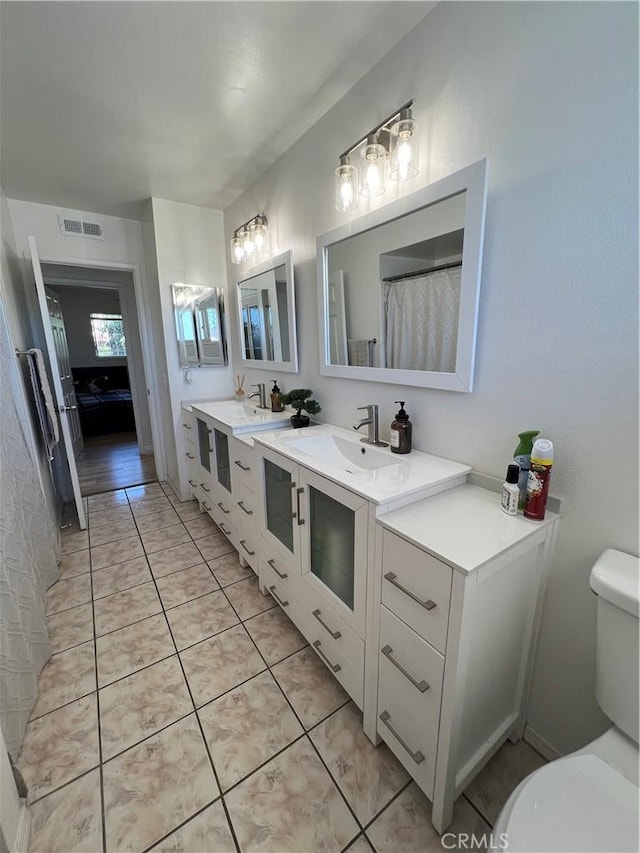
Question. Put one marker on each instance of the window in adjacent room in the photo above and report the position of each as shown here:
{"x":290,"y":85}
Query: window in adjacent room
{"x":108,"y":335}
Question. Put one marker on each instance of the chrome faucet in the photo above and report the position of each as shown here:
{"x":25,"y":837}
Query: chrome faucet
{"x":371,"y":421}
{"x":261,"y":393}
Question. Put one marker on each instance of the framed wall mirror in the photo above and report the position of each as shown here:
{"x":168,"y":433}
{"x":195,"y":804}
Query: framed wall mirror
{"x":399,"y":288}
{"x":199,"y":316}
{"x":267,"y":316}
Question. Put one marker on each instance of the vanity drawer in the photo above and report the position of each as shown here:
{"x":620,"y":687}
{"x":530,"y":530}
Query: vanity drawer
{"x":225,"y":524}
{"x":413,"y":742}
{"x":280,"y":580}
{"x":246,"y":513}
{"x":225,"y":507}
{"x":417,"y":588}
{"x":410,"y":668}
{"x":248,"y":548}
{"x":338,"y":645}
{"x":242,"y":462}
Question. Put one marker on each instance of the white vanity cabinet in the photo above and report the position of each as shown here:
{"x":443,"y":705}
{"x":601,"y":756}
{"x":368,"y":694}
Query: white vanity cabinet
{"x":457,"y":592}
{"x":321,"y":530}
{"x":189,"y":442}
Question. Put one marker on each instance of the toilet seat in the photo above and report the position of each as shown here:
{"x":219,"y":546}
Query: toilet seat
{"x":579,"y":803}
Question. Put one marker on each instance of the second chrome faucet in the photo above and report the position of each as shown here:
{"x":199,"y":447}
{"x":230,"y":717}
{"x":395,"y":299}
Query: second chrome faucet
{"x":371,"y":421}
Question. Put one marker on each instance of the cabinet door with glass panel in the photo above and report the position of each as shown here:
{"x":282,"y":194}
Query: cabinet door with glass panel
{"x":333,"y":545}
{"x":202,"y":465}
{"x":280,"y":499}
{"x":320,"y":529}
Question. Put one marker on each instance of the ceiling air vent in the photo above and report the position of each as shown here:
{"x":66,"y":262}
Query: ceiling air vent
{"x":78,"y":228}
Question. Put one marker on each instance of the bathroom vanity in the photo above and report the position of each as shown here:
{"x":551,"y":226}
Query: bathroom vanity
{"x":419,"y":595}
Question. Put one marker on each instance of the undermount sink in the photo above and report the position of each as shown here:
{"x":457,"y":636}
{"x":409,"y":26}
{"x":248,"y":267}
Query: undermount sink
{"x":336,"y":450}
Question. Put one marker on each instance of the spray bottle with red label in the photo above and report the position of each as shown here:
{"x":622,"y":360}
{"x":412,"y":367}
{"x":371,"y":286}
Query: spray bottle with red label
{"x":538,"y":479}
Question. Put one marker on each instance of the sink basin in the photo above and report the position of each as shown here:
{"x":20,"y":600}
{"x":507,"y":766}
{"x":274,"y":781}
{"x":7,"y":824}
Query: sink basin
{"x":243,"y":417}
{"x":350,"y":455}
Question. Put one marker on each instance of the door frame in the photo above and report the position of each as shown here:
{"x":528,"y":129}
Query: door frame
{"x":147,"y":342}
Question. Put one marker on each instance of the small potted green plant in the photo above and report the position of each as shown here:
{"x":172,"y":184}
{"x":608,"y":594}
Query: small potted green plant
{"x":300,"y":398}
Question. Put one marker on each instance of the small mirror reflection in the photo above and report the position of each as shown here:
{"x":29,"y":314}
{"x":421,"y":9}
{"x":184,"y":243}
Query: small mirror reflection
{"x":198,"y":314}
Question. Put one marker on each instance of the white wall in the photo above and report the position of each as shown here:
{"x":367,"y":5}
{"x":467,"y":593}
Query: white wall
{"x":185,"y":244}
{"x":121,"y":248}
{"x":549,"y":93}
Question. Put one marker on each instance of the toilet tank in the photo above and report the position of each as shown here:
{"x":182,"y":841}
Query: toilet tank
{"x":615,"y":578}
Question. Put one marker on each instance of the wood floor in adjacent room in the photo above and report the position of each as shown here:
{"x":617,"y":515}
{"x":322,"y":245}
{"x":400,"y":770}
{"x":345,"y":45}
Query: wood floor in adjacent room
{"x":113,"y":462}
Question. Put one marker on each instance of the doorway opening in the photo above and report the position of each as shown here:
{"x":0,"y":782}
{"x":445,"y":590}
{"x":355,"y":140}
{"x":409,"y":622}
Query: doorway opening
{"x":109,"y":419}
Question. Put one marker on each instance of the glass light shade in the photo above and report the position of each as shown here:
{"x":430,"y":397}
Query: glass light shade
{"x":247,"y":243}
{"x":404,"y":148}
{"x":237,"y":253}
{"x":259,"y":235}
{"x":346,"y":186}
{"x":373,"y":169}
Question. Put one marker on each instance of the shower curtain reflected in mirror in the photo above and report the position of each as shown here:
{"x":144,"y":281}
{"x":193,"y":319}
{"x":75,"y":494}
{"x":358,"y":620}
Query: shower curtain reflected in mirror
{"x":421,"y":321}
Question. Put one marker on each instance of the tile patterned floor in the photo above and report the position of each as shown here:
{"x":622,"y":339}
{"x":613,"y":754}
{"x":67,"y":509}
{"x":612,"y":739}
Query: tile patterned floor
{"x":181,"y":710}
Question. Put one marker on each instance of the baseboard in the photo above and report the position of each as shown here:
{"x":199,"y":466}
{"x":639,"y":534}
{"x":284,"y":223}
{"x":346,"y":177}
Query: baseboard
{"x":541,"y":745}
{"x":23,"y":831}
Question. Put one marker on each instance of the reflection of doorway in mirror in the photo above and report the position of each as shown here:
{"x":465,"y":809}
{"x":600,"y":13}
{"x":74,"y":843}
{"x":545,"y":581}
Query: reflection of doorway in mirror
{"x":337,"y":319}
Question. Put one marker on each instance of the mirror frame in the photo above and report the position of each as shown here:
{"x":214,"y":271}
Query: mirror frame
{"x":472,"y":180}
{"x":200,"y":360}
{"x":291,"y":366}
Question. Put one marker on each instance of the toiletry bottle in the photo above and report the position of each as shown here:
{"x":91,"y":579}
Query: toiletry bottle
{"x":401,"y":431}
{"x":276,"y":398}
{"x":510,"y":490}
{"x":538,"y":480}
{"x":522,"y":457}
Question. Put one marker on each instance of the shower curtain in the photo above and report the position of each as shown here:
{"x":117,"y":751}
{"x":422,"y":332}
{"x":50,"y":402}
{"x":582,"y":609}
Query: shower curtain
{"x":421,"y":321}
{"x":28,"y":564}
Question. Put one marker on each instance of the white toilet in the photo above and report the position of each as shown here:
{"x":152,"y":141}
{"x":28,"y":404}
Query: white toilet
{"x":589,"y":800}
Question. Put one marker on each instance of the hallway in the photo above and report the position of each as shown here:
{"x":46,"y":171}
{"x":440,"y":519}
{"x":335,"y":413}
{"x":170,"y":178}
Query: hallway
{"x":182,"y":711}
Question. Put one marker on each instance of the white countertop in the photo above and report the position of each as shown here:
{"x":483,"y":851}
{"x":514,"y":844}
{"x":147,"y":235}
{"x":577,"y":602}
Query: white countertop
{"x":242,"y":417}
{"x":405,"y":475}
{"x":464,"y":527}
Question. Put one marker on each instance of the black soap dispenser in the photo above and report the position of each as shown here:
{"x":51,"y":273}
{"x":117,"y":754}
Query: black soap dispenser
{"x":401,"y":431}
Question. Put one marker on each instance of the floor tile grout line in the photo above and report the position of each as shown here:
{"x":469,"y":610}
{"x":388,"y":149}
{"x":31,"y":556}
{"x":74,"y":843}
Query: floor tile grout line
{"x":477,"y":809}
{"x":62,"y":786}
{"x":95,"y":658}
{"x":152,"y":847}
{"x":381,"y":811}
{"x":204,"y":740}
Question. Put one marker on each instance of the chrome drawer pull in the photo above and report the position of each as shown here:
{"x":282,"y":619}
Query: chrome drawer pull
{"x":428,"y":604}
{"x":204,"y":488}
{"x":299,"y":492}
{"x":281,"y":575}
{"x":240,"y":465}
{"x":226,"y":532}
{"x":190,"y":455}
{"x":421,"y":685}
{"x":221,"y":505}
{"x":187,"y":426}
{"x":335,"y":634}
{"x":334,"y":667}
{"x":244,"y":545}
{"x":192,"y":484}
{"x":418,"y":757}
{"x":273,"y":592}
{"x":243,"y":507}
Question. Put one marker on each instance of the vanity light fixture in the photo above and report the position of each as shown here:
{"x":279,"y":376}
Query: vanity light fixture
{"x":393,"y":142}
{"x":249,"y":240}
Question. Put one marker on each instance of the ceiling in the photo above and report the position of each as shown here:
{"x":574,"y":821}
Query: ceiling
{"x":104,"y":104}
